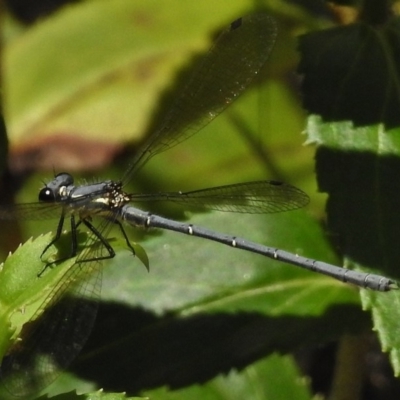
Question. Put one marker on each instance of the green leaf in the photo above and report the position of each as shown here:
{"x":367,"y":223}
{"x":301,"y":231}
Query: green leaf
{"x":98,"y":395}
{"x":116,"y":61}
{"x":351,"y":73}
{"x":193,"y":275}
{"x":273,"y":378}
{"x":358,"y":168}
{"x":224,"y":290}
{"x":22,"y":291}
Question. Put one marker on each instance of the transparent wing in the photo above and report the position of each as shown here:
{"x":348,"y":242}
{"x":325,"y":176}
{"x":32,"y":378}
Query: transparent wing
{"x":251,"y":197}
{"x":30,"y":211}
{"x":61,"y":325}
{"x":226,"y":71}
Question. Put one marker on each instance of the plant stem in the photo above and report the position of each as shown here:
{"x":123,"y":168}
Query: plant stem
{"x":350,"y":368}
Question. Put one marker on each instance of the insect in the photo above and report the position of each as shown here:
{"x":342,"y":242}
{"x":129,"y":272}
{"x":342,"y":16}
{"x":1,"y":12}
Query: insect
{"x":61,"y":325}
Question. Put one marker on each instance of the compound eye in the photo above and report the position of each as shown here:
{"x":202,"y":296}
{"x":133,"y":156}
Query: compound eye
{"x":65,"y":179}
{"x":47,"y":195}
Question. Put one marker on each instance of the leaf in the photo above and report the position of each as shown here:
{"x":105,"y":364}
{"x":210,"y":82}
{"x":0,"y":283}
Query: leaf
{"x":183,"y":321}
{"x":203,"y":272}
{"x":351,"y":73}
{"x":22,"y":291}
{"x":358,"y":168}
{"x":273,"y":378}
{"x":108,"y":76}
{"x":98,"y":395}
